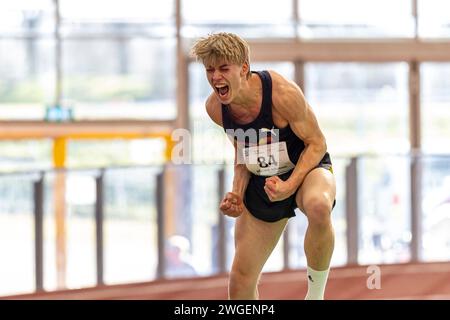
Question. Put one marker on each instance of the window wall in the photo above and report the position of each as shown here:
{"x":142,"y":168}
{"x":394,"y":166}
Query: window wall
{"x":22,"y":16}
{"x":362,"y":107}
{"x":436,"y":169}
{"x":16,"y":234}
{"x":117,"y":60}
{"x":273,"y":19}
{"x":100,"y":60}
{"x":25,"y":155}
{"x":356,"y":19}
{"x":435,"y":94}
{"x":119,"y":78}
{"x":433,"y":19}
{"x":115,"y":152}
{"x":27,"y":78}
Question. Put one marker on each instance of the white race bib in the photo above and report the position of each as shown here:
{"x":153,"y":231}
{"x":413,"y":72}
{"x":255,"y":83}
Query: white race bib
{"x":268,"y":159}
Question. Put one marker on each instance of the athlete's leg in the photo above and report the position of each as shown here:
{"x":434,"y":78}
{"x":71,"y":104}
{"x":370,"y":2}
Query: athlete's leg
{"x":315,"y":199}
{"x":254,"y":242}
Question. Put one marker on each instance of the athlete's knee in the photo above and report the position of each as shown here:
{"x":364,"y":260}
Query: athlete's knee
{"x":318,"y":210}
{"x":241,"y":280}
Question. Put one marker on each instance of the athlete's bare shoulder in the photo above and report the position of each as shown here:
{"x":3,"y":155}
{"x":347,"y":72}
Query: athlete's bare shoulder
{"x":287,"y":97}
{"x":282,"y":86}
{"x":214,"y":109}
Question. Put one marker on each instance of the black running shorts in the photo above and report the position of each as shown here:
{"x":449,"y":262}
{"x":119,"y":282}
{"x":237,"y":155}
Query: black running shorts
{"x":259,"y":205}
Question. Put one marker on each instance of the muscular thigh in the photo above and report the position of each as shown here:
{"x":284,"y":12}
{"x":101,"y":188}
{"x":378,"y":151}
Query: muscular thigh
{"x":254,"y":242}
{"x":320,"y":183}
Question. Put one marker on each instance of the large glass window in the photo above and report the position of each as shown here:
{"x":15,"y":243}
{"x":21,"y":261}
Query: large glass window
{"x":436,"y":208}
{"x":355,"y":19}
{"x":121,"y":78}
{"x":130,"y":225}
{"x":435,"y":83}
{"x":130,"y":231}
{"x":16,"y":234}
{"x":204,"y":222}
{"x":27,"y":17}
{"x":436,"y":170}
{"x":115,"y":152}
{"x":273,"y":19}
{"x":78,"y":205}
{"x":113,"y":66}
{"x":27,"y":78}
{"x":361,"y":107}
{"x":434,"y":20}
{"x":25,"y":155}
{"x":384,"y":217}
{"x":153,"y":18}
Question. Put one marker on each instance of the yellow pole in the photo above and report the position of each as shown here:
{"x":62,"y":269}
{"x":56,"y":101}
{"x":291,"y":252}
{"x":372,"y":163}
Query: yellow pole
{"x":59,"y":153}
{"x":170,"y":144}
{"x":169,"y":185}
{"x":59,"y":162}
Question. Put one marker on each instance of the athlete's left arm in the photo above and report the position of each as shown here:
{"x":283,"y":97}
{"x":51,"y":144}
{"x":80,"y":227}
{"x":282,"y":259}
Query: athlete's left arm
{"x":290,"y":103}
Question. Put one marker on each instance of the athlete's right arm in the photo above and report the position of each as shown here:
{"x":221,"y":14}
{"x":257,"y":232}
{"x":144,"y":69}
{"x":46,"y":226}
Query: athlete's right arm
{"x":241,"y":175}
{"x":232,"y":204}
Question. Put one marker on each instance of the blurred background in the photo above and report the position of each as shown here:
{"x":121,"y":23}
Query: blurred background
{"x":91,"y":91}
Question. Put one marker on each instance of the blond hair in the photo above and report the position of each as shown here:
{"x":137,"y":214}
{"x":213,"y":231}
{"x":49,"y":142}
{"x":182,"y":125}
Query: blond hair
{"x":222,"y":46}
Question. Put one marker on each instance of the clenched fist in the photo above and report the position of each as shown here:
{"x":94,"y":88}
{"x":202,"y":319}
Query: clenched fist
{"x":232,"y":205}
{"x":277,"y":189}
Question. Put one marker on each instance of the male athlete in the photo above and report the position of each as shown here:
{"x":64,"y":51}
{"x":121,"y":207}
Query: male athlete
{"x":286,"y":167}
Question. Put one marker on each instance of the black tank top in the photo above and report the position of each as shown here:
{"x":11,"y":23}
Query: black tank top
{"x":264,"y":120}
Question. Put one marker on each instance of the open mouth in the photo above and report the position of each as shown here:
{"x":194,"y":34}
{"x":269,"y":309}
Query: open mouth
{"x":222,"y":90}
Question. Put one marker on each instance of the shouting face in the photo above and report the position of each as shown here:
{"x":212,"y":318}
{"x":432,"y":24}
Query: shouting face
{"x":226,"y":78}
